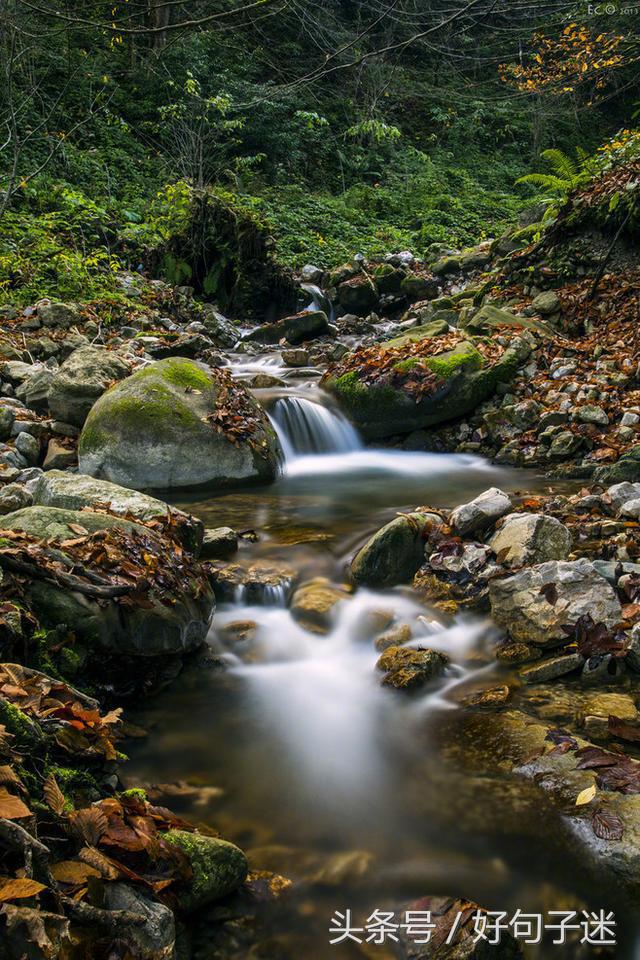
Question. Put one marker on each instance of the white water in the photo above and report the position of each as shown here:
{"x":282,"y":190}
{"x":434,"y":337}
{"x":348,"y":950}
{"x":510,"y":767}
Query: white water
{"x":306,"y":427}
{"x":320,"y":698}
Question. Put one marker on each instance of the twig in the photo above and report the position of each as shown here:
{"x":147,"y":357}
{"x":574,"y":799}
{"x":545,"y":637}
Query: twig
{"x":102,"y":590}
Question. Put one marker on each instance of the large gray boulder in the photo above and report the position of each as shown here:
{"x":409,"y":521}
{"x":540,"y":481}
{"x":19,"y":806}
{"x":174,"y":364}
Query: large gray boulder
{"x":395,"y":553}
{"x":537,"y":603}
{"x":82,"y":378}
{"x":75,"y":491}
{"x":170,"y":620}
{"x":529,"y":538}
{"x":178,"y":423}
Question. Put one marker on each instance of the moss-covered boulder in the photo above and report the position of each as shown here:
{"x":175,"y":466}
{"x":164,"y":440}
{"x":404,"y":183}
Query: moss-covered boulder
{"x":394,"y":553}
{"x":416,"y":287}
{"x":170,"y":619}
{"x":178,"y":423}
{"x":219,"y":867}
{"x":388,"y":278}
{"x":358,"y":295}
{"x":464,"y":379}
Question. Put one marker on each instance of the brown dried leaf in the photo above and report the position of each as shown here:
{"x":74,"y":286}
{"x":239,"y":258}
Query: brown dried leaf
{"x":12,"y":888}
{"x":53,"y":795}
{"x":73,"y":872}
{"x":12,"y":807}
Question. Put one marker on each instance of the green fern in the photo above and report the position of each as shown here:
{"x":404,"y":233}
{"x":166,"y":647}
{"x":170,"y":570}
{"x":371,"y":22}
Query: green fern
{"x":566,"y":174}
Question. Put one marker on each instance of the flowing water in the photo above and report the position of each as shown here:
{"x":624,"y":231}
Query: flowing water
{"x":365,"y":797}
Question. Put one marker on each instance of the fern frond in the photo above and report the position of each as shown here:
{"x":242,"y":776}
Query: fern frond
{"x":547,"y":181}
{"x":561,"y":164}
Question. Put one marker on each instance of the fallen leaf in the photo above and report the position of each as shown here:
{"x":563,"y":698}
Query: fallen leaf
{"x":12,"y":888}
{"x":607,"y":825}
{"x":73,"y":872}
{"x":53,"y":795}
{"x":586,"y":796}
{"x":12,"y":807}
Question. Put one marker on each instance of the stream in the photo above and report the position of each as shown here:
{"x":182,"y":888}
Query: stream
{"x":364,"y":796}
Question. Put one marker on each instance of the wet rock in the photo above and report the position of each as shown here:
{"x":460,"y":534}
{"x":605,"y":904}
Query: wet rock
{"x":298,"y":328}
{"x":602,"y":668}
{"x":58,"y":457}
{"x":631,"y":509}
{"x":259,"y":582}
{"x":407,"y":668}
{"x":512,"y":652}
{"x":155,"y":430}
{"x":395,"y":553}
{"x":156,"y":628}
{"x":263,"y":381}
{"x":529,"y":538}
{"x":313,"y":603}
{"x":311,"y":274}
{"x":155,"y":938}
{"x":219,"y":867}
{"x":219,"y":543}
{"x":83,"y":377}
{"x":75,"y":491}
{"x":381,"y":410}
{"x":358,"y":295}
{"x":295,"y":358}
{"x":481,"y":512}
{"x":551,"y":668}
{"x":453,"y":935}
{"x":394,"y":638}
{"x":535,"y":604}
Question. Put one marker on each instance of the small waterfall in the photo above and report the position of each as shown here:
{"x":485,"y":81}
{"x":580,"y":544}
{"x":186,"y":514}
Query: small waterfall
{"x":305,"y":427}
{"x":319,"y":300}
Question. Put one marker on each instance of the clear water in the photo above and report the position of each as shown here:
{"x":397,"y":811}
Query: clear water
{"x":365,"y":797}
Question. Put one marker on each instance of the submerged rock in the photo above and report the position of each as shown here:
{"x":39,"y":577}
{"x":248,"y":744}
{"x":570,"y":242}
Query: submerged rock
{"x":219,"y":867}
{"x":407,"y":668}
{"x":313,"y":603}
{"x":395,"y":553}
{"x":537,"y":603}
{"x":178,"y":423}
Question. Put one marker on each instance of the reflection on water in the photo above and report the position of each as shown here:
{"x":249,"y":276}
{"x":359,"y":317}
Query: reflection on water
{"x":356,"y":792}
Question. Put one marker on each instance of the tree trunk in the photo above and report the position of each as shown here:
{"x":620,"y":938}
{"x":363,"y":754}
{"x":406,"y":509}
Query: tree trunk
{"x":160,"y":18}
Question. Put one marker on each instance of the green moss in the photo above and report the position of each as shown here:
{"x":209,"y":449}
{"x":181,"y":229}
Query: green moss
{"x":219,"y":867}
{"x":145,"y":416}
{"x":367,"y":400}
{"x":26,"y":732}
{"x":135,"y":793}
{"x":449,"y":364}
{"x":405,"y":365}
{"x":69,"y":662}
{"x":182,"y":373}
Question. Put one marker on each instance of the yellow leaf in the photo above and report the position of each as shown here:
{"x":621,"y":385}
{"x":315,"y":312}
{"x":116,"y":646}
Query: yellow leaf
{"x":586,"y":796}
